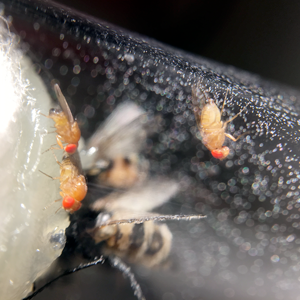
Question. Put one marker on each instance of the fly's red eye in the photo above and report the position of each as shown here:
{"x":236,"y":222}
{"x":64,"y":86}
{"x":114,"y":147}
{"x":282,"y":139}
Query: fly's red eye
{"x":217,"y":154}
{"x":71,"y":148}
{"x":68,"y":202}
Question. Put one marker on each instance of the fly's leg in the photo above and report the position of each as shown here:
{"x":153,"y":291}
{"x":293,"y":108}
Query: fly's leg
{"x":235,"y":139}
{"x":52,"y":147}
{"x":230,"y":120}
{"x":59,"y":142}
{"x":55,"y":157}
{"x":46,"y":207}
{"x":53,"y":178}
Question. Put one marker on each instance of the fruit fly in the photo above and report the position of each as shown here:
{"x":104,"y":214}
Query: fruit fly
{"x":212,"y":129}
{"x":67,"y":128}
{"x":72,"y":183}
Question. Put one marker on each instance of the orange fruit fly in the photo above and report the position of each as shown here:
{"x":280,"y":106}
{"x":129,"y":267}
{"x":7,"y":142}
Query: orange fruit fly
{"x":212,"y":129}
{"x":72,"y":184}
{"x":67,"y":128}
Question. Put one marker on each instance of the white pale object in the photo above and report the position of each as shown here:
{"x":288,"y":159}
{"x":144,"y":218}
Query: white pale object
{"x":31,"y":237}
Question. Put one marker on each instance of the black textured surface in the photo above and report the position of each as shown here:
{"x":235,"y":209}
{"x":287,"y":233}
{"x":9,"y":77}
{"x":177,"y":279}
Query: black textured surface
{"x":248,"y":247}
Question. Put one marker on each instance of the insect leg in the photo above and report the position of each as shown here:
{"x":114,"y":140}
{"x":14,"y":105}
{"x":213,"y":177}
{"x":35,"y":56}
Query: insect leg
{"x":53,"y":178}
{"x":228,"y":121}
{"x":55,"y":157}
{"x":52,"y":147}
{"x":59,"y":142}
{"x":80,"y":267}
{"x":46,"y":207}
{"x":120,"y":265}
{"x":233,"y":138}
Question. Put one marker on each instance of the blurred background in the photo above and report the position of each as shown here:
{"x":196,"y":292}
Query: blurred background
{"x":259,"y":36}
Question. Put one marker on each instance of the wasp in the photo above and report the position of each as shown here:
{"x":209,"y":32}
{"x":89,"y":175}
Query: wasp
{"x":113,"y":152}
{"x":212,"y":129}
{"x":67,"y":128}
{"x":121,"y":225}
{"x":127,"y":225}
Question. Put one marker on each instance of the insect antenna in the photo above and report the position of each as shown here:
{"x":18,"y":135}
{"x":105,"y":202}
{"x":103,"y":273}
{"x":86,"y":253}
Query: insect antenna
{"x":104,"y":188}
{"x":80,"y":267}
{"x":46,"y":207}
{"x":43,"y":115}
{"x":154,"y":217}
{"x":52,"y":147}
{"x":58,"y":209}
{"x":117,"y":263}
{"x":53,"y":178}
{"x":224,"y":102}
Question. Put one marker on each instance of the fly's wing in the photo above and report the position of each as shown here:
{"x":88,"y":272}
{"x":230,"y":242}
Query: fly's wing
{"x":121,"y":134}
{"x":142,"y":198}
{"x":198,"y":100}
{"x":63,"y":103}
{"x":198,"y":96}
{"x":75,"y":159}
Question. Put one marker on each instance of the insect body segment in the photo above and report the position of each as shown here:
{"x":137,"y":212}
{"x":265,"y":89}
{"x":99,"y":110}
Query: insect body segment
{"x":212,"y":129}
{"x":66,"y":127}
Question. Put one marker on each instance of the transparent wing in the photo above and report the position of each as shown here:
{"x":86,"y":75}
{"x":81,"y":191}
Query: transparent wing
{"x":142,"y":198}
{"x":63,"y":103}
{"x":198,"y":96}
{"x":122,"y":133}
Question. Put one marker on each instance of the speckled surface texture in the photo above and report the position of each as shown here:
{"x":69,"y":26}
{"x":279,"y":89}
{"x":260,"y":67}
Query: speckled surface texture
{"x":248,"y":247}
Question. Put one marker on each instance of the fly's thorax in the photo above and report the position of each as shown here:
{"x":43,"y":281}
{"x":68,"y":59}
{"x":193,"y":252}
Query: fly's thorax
{"x":58,"y":117}
{"x":69,"y":132}
{"x":210,"y":114}
{"x":67,"y":170}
